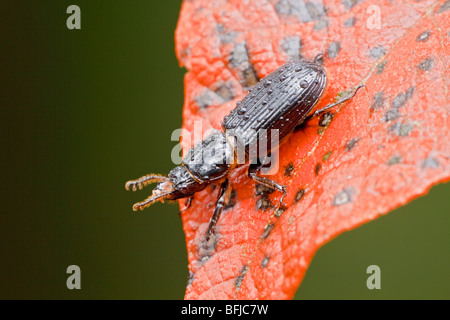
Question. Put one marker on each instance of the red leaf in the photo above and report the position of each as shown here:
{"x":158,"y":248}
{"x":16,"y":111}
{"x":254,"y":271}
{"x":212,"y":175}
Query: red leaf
{"x":387,"y":146}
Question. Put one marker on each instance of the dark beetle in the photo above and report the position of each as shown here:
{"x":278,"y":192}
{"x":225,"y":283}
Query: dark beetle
{"x":281,"y":101}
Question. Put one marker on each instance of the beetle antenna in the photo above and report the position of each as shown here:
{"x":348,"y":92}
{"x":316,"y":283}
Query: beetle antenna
{"x":318,"y":57}
{"x":149,"y":201}
{"x":144,"y":181}
{"x":319,"y":112}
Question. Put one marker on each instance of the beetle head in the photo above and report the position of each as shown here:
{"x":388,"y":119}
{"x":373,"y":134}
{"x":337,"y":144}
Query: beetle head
{"x":164,"y":190}
{"x":179,"y":184}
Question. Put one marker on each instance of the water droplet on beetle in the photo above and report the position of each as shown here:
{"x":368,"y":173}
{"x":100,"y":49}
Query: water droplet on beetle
{"x":270,"y":91}
{"x":304,"y":84}
{"x":267,"y":83}
{"x":241,"y":111}
{"x":246,"y":117}
{"x":298,"y":69}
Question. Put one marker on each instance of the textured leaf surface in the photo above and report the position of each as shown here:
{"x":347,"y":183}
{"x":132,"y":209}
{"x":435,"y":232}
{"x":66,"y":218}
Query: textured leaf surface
{"x":387,"y":146}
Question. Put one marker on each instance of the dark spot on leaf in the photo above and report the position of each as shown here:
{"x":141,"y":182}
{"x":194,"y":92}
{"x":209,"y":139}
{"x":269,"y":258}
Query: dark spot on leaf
{"x":185,"y":54}
{"x":343,"y":197}
{"x":432,"y":163}
{"x":325,"y":119}
{"x":227,"y":37}
{"x":401,"y":129}
{"x":265,"y":262}
{"x":291,"y":45}
{"x":349,"y":3}
{"x":224,"y":35}
{"x":444,"y":7}
{"x":410,"y":92}
{"x":263,"y":203}
{"x":380,"y":67}
{"x":239,"y":59}
{"x":280,"y":211}
{"x":267,"y":230}
{"x":327,"y":156}
{"x":262,"y":189}
{"x":190,"y":278}
{"x":379,"y":101}
{"x":399,"y":100}
{"x":333,"y":49}
{"x":424,"y":36}
{"x":299,"y":195}
{"x":394,"y":160}
{"x":204,"y":100}
{"x":321,"y":24}
{"x":426,"y":64}
{"x":303,"y":11}
{"x":240,"y":277}
{"x":351,"y":143}
{"x":350,"y":22}
{"x":239,"y":56}
{"x":315,"y":10}
{"x":317,"y":168}
{"x":391,"y":114}
{"x":288,"y":169}
{"x":377,"y":52}
{"x":250,"y":77}
{"x":225,"y":91}
{"x":402,"y":97}
{"x":206,"y":248}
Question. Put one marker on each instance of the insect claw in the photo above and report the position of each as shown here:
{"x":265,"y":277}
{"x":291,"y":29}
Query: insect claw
{"x":284,"y":189}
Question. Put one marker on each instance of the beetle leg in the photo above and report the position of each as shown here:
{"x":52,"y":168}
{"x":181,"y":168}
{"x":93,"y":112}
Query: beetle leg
{"x":187,"y":204}
{"x":320,"y":111}
{"x":224,"y":196}
{"x":252,"y":173}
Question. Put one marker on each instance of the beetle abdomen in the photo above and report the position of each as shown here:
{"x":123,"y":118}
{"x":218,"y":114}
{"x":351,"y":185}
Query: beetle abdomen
{"x":280,"y":101}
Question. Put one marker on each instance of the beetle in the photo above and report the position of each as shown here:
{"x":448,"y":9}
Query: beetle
{"x":282,"y":101}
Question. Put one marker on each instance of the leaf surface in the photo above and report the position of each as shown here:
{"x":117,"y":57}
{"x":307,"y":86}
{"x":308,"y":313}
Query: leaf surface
{"x":385,"y":147}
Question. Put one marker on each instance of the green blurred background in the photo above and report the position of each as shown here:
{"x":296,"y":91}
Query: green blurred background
{"x":84,"y":110}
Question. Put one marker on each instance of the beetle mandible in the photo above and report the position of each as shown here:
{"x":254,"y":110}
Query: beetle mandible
{"x":281,"y":101}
